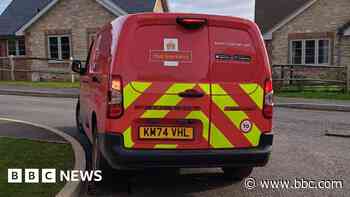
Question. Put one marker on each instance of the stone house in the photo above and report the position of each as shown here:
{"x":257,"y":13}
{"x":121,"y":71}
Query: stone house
{"x":60,"y":29}
{"x":307,"y":32}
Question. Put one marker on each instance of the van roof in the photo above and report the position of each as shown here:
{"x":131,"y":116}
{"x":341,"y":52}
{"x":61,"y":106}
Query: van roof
{"x":189,"y":15}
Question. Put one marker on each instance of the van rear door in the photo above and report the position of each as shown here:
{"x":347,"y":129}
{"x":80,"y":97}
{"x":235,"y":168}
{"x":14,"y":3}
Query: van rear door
{"x":165,"y":71}
{"x":236,"y":75}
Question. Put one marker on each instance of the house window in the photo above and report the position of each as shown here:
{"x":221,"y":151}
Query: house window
{"x":310,"y":52}
{"x":323,"y":51}
{"x":16,"y":47}
{"x":59,"y":47}
{"x":297,"y":52}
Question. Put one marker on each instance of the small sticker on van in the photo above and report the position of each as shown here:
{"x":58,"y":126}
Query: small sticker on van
{"x":227,"y":57}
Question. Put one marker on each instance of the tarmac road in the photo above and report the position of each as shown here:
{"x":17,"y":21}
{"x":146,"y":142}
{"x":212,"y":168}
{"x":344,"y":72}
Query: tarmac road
{"x":301,"y":151}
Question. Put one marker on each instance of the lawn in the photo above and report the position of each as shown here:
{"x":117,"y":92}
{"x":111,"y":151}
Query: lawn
{"x":30,"y":154}
{"x":41,"y":84}
{"x":315,"y":95}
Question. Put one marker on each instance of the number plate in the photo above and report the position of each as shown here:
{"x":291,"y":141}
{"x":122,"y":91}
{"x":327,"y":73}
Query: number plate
{"x":166,"y":133}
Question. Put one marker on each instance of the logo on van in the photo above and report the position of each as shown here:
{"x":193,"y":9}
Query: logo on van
{"x":171,"y":46}
{"x":171,"y":55}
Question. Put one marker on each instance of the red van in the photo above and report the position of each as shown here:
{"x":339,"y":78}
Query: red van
{"x":177,"y":90}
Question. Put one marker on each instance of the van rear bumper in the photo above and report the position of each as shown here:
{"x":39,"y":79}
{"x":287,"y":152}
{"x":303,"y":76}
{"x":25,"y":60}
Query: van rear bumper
{"x":120,"y":158}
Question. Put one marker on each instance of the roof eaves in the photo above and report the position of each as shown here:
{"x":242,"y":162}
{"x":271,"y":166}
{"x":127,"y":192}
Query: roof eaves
{"x":112,"y":7}
{"x":20,"y":32}
{"x":285,"y":21}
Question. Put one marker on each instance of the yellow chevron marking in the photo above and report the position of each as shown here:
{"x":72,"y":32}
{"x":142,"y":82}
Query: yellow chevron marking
{"x":255,"y":92}
{"x":217,"y":90}
{"x":128,"y":143}
{"x":165,"y":146}
{"x":130,"y":95}
{"x":236,"y":117}
{"x":200,"y":116}
{"x":205,"y":87}
{"x":180,"y":87}
{"x":218,"y":140}
{"x":168,"y":100}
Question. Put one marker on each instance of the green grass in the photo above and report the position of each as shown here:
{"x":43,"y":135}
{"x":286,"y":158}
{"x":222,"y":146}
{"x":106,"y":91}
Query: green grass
{"x":30,"y":154}
{"x":315,"y":95}
{"x":41,"y":84}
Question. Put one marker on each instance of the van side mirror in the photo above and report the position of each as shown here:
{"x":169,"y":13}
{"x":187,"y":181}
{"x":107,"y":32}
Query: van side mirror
{"x":78,"y":67}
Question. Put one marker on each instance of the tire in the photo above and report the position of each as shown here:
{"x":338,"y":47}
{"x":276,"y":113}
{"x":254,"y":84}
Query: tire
{"x":78,"y":120}
{"x":237,"y":174}
{"x":97,"y":161}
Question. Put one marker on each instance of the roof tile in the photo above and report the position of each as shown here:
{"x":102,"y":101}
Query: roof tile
{"x":19,"y":12}
{"x":269,"y":13}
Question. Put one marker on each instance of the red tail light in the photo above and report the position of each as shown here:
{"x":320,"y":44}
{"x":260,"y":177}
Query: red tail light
{"x":268,"y":99}
{"x":191,"y":23}
{"x":115,"y":98}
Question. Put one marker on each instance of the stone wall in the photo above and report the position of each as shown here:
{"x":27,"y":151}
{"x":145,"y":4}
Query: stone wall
{"x":345,"y":51}
{"x":345,"y":55}
{"x":323,"y":17}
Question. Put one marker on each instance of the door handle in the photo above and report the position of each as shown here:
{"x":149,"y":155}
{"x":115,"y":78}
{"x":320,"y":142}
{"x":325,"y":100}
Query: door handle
{"x":191,"y":93}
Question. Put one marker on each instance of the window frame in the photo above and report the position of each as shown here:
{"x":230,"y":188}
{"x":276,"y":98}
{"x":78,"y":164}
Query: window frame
{"x":303,"y":50}
{"x":291,"y":51}
{"x":59,"y":45}
{"x":17,"y":47}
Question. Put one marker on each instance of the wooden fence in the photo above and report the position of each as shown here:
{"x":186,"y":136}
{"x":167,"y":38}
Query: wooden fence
{"x":301,"y":76}
{"x":22,"y":68}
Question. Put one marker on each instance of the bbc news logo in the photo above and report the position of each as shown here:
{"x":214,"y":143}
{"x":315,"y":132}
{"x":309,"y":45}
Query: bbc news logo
{"x":51,"y":176}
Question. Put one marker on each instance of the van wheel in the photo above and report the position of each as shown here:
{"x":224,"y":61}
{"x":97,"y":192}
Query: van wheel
{"x":98,"y":162}
{"x":78,"y":119}
{"x":237,"y":174}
